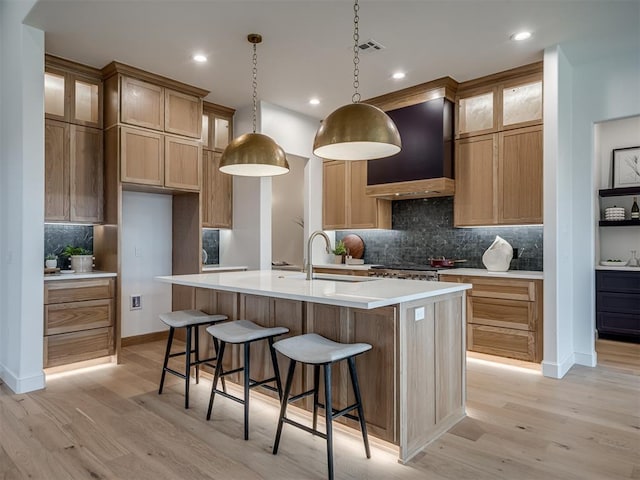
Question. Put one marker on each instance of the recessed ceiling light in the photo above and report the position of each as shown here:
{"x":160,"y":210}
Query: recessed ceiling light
{"x":198,"y":57}
{"x":399,"y":75}
{"x":519,"y":36}
{"x":314,"y":101}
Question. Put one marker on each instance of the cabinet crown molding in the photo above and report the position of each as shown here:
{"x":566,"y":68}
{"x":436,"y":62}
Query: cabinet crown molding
{"x":71,"y":66}
{"x":208,"y":107}
{"x":114,"y":68}
{"x":507,"y":75}
{"x":442,"y":87}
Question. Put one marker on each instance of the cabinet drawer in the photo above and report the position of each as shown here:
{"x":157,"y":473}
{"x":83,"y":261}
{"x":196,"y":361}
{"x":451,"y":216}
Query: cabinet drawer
{"x":506,"y":342}
{"x":77,"y":346}
{"x":63,"y":291}
{"x":512,"y":289}
{"x":502,"y":313}
{"x":618,"y":323}
{"x":622,"y":282}
{"x":618,"y":302}
{"x":71,"y":317}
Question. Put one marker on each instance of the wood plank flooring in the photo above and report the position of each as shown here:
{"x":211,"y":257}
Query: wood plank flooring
{"x":109,"y":422}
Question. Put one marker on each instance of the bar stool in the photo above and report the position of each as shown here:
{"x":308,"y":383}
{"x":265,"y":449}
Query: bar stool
{"x":244,"y":332}
{"x":191,"y":320}
{"x":319,"y":351}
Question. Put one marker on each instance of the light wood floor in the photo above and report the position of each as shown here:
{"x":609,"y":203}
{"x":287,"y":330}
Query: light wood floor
{"x":110,"y":423}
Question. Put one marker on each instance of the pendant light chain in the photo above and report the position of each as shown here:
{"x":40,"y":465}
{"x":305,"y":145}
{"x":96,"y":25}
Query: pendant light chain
{"x":356,"y":49}
{"x":255,"y":85}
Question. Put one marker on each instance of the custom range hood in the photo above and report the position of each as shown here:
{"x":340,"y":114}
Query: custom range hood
{"x":424,"y":167}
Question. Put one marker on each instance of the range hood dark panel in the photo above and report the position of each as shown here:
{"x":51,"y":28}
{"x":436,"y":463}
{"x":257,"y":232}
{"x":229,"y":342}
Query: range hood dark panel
{"x":426,"y":130}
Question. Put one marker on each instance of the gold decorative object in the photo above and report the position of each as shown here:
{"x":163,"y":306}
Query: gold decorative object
{"x":357,"y":131}
{"x":254,"y":154}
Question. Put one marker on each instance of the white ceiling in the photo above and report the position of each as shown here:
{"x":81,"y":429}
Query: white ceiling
{"x":307,"y":47}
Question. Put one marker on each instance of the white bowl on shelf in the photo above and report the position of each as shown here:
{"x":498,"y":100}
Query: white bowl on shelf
{"x":606,"y":263}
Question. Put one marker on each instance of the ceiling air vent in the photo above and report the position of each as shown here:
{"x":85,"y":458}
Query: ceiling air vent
{"x":371,"y":45}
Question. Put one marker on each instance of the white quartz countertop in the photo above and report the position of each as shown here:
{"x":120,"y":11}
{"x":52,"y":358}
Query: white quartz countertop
{"x":622,"y":268}
{"x":78,"y":276}
{"x":220,"y":268}
{"x":481,"y":272}
{"x":344,"y":291}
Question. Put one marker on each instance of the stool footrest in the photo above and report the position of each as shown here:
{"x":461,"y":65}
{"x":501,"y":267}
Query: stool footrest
{"x":229,"y":396}
{"x":304,"y":427}
{"x":261,"y":383}
{"x":176,"y":373}
{"x":300,"y":396}
{"x":231,"y":372}
{"x":345,"y":412}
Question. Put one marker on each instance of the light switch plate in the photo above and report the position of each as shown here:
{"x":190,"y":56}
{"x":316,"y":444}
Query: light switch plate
{"x":419,"y":313}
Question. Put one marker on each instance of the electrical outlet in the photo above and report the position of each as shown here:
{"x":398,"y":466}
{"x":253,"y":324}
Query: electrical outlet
{"x":136,"y":302}
{"x":419,"y":313}
{"x":516,"y":254}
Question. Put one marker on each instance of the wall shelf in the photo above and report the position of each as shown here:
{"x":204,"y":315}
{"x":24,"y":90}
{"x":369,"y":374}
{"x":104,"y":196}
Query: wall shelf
{"x":619,"y":192}
{"x":619,"y":223}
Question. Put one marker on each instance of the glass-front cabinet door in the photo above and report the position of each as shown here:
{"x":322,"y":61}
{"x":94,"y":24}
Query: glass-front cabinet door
{"x":55,"y":94}
{"x":477,"y":113}
{"x":521,"y":104}
{"x":86,"y":102}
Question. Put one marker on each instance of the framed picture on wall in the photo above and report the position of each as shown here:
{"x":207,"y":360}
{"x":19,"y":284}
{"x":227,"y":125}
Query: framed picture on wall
{"x":626,"y":167}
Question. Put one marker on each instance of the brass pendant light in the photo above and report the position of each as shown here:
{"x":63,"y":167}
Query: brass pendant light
{"x":254,"y":154}
{"x":357,"y":131}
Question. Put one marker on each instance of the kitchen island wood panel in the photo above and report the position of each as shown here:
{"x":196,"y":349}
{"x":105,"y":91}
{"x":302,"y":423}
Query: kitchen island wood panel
{"x":412,"y":381}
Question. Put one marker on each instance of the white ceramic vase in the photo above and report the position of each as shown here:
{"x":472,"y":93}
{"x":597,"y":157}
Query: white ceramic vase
{"x":497,"y":257}
{"x":51,"y":263}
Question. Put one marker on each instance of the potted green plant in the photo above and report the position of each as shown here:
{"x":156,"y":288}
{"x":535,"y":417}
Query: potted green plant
{"x":339,"y":252}
{"x":81,"y":258}
{"x":51,"y":261}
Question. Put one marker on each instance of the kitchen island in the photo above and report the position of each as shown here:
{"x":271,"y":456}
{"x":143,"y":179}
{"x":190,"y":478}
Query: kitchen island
{"x":412,"y":381}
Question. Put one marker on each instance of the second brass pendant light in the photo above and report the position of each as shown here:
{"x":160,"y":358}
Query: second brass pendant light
{"x":254,"y":154}
{"x":357,"y":131}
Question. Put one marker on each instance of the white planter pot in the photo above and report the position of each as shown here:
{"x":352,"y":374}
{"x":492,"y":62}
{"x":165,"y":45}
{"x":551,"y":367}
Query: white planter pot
{"x":51,"y":263}
{"x":82,"y":263}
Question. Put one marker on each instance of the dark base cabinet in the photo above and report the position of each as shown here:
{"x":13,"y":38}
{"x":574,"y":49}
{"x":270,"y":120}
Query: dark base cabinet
{"x":618,"y":304}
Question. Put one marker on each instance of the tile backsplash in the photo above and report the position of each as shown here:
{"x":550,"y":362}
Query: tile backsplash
{"x":211,"y":245}
{"x":57,"y":237}
{"x":424,"y":228}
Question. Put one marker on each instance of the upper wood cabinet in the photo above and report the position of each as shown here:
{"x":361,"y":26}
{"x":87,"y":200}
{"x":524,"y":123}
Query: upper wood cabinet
{"x":73,"y":173}
{"x":344,"y":202}
{"x":499,"y":179}
{"x":182,"y":114}
{"x":499,"y":149}
{"x":72,"y":96}
{"x":151,"y":158}
{"x":217,"y":193}
{"x":141,"y":103}
{"x":148,"y":105}
{"x":507,"y":100}
{"x":182,"y":168}
{"x":520,"y":176}
{"x":141,"y":156}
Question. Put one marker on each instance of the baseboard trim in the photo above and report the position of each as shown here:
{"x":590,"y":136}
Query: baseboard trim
{"x":558,"y":370}
{"x":586,"y":359}
{"x":24,"y":384}
{"x":145,"y":338}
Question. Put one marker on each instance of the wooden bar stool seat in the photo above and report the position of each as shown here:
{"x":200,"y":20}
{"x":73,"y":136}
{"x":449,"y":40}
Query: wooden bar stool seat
{"x":319,"y":351}
{"x":244,"y":332}
{"x":191,"y":320}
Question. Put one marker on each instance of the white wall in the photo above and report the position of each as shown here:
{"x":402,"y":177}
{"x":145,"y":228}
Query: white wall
{"x":145,"y":254}
{"x":249,"y":243}
{"x":603,"y":89}
{"x":558,"y":337}
{"x":287,"y":210}
{"x":21,"y":198}
{"x":614,"y":242}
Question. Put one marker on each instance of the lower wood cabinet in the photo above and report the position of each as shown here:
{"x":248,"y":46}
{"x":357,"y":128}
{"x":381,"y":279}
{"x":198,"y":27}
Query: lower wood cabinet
{"x":341,"y":271}
{"x":79,"y":319}
{"x":504,"y":316}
